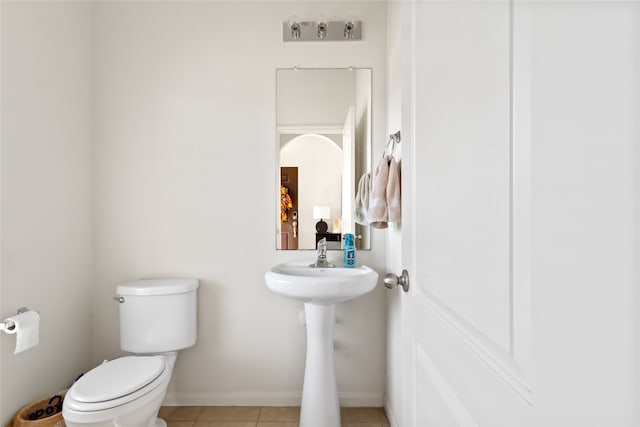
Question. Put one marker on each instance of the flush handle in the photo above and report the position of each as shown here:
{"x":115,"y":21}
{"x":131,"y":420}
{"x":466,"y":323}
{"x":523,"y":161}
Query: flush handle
{"x":119,"y":299}
{"x":391,"y":280}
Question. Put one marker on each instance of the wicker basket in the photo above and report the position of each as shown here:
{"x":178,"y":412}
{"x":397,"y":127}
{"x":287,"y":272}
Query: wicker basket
{"x":45,"y":412}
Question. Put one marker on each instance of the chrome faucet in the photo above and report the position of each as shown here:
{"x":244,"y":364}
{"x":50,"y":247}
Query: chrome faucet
{"x":322,"y":262}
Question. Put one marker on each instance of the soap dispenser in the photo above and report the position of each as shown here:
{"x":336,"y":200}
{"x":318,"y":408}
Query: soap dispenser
{"x":349,"y":251}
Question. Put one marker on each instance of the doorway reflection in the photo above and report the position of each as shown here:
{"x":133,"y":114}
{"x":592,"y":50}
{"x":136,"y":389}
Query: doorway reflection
{"x":311,"y":174}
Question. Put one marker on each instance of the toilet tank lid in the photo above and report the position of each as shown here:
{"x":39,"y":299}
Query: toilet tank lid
{"x":157,"y":287}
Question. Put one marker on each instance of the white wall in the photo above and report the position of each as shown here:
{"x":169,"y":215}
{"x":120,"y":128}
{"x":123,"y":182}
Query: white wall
{"x":362,"y":117}
{"x":314,"y":97}
{"x":46,"y":194}
{"x":393,"y":397}
{"x":586,"y":158}
{"x":184,"y":181}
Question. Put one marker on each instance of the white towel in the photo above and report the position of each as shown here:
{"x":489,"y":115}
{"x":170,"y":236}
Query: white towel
{"x":361,"y":214}
{"x":394,"y":199}
{"x":378,"y":200}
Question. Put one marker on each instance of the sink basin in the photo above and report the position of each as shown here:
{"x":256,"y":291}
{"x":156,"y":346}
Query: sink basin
{"x":320,"y":285}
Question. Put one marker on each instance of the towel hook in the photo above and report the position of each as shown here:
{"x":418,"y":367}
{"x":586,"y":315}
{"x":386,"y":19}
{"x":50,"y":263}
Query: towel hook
{"x":394,"y":139}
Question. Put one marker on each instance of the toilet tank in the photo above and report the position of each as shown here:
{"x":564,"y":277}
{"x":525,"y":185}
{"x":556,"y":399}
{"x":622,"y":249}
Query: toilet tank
{"x":158,"y":315}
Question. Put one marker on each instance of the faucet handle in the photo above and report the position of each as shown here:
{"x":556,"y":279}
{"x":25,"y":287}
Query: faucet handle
{"x":322,"y":244}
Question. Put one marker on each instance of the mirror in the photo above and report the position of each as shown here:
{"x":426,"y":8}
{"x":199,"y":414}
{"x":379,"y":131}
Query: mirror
{"x":323,"y":148}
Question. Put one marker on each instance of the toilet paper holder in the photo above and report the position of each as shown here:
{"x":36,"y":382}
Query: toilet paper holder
{"x":8,"y":325}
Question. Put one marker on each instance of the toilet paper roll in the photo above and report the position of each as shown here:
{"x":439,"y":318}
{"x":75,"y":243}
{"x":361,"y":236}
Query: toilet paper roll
{"x":27,"y":330}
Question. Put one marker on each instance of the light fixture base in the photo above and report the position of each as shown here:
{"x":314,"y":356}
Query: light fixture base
{"x":335,"y":32}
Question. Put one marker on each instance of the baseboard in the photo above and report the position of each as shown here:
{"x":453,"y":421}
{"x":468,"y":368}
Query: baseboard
{"x":391,"y":416}
{"x":347,"y":399}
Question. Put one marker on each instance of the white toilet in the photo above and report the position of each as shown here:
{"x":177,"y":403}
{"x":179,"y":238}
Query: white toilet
{"x":158,"y":317}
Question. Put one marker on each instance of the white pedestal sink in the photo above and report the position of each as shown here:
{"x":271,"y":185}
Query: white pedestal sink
{"x":320,"y":289}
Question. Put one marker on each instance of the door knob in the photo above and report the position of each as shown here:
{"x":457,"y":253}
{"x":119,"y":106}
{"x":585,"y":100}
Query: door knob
{"x":391,"y":280}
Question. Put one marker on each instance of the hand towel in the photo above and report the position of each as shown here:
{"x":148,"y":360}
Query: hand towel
{"x":361,"y":214}
{"x":378,"y":199}
{"x":393,"y":192}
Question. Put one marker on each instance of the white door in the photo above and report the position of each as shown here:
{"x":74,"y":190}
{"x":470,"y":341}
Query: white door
{"x":348,"y":172}
{"x":467,"y":233}
{"x":467,"y":315}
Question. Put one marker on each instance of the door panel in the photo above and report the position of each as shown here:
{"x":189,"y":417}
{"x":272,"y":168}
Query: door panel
{"x":468,"y":310}
{"x":445,"y":407}
{"x":465,"y":177}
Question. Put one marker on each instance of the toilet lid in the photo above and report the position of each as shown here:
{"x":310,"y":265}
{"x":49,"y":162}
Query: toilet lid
{"x":117,"y":378}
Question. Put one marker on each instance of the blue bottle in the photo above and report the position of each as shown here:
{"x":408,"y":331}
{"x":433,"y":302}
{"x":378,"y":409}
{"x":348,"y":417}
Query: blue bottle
{"x":349,"y":251}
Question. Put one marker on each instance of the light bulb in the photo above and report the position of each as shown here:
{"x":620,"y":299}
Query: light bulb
{"x":350,"y":24}
{"x":294,"y":25}
{"x":322,"y":27}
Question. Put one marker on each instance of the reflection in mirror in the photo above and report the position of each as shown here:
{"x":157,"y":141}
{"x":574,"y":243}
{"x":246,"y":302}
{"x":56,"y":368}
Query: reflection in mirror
{"x":324,"y":147}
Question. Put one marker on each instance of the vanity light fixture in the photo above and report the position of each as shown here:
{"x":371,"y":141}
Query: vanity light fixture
{"x":321,"y":30}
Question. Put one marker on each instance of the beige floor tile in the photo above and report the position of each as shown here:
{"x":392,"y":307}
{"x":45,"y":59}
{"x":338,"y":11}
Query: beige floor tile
{"x":277,"y":424}
{"x":280,"y":413}
{"x":164,"y":410}
{"x":229,"y":413}
{"x":267,"y":416}
{"x":360,"y":415}
{"x":224,"y":424}
{"x":180,"y":413}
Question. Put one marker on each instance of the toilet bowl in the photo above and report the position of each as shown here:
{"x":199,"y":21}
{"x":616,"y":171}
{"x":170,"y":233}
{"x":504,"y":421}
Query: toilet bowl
{"x":157,"y":318}
{"x":126,"y":392}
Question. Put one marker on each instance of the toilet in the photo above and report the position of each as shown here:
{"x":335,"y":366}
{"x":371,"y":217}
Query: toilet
{"x":158,"y":317}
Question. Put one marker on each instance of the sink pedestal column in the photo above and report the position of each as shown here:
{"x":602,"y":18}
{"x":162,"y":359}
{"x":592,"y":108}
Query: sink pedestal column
{"x":320,"y":406}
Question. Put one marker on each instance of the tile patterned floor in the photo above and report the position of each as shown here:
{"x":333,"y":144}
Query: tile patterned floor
{"x":261,"y":416}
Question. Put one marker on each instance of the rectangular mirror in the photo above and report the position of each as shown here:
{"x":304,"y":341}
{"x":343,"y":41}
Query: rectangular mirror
{"x":323,"y":149}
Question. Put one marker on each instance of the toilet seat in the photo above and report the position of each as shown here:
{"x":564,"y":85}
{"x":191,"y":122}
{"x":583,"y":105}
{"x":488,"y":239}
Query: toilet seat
{"x":116,"y":383}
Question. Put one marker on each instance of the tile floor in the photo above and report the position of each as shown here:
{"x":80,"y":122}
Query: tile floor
{"x":261,"y":416}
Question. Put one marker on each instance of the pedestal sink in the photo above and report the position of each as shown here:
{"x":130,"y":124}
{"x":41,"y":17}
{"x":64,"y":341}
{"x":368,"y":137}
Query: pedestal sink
{"x":320,"y":289}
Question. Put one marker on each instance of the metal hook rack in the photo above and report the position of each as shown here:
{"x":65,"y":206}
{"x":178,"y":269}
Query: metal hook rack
{"x":394,"y":139}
